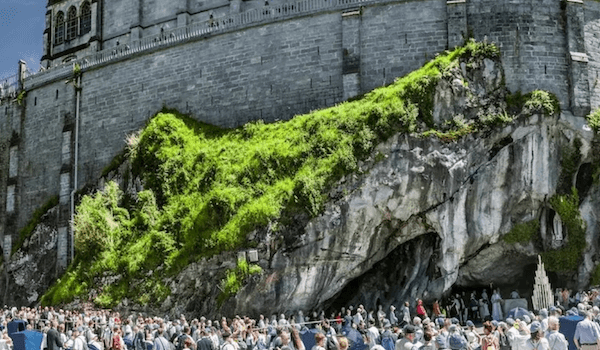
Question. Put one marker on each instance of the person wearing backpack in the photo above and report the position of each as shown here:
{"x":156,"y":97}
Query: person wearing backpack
{"x":138,"y":339}
{"x":79,"y":342}
{"x":489,"y":340}
{"x":53,"y":341}
{"x":388,"y":339}
{"x":227,"y":342}
{"x":473,"y":337}
{"x":204,"y":343}
{"x":455,"y":340}
{"x":160,"y":342}
{"x":428,"y":343}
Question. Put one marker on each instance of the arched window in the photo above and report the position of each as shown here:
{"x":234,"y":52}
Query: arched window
{"x":59,"y":28}
{"x":72,"y":23}
{"x":86,"y":18}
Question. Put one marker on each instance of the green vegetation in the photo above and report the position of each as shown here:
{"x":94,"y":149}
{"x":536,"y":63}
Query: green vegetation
{"x":537,"y":101}
{"x":36,"y":218}
{"x":495,"y":120}
{"x":523,"y":232}
{"x":593,"y":120}
{"x":235,"y":279}
{"x":569,"y":160}
{"x":21,"y":97}
{"x":568,"y":257}
{"x":206,"y":188}
{"x":110,"y":241}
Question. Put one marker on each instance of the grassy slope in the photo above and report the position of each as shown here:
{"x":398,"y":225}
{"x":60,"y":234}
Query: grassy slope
{"x":206,"y":188}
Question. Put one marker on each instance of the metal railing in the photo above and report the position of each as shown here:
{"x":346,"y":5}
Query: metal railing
{"x":199,"y":29}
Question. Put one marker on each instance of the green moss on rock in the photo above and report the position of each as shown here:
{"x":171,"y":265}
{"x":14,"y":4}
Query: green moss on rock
{"x":568,"y":257}
{"x":523,"y":232}
{"x":206,"y":188}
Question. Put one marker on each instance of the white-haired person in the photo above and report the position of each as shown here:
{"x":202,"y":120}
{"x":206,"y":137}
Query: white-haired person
{"x":556,"y":340}
{"x":586,"y":334}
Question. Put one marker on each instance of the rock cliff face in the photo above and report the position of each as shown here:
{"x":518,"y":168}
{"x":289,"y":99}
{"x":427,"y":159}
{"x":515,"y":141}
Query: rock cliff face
{"x":419,"y":218}
{"x":428,"y":216}
{"x":31,"y":269}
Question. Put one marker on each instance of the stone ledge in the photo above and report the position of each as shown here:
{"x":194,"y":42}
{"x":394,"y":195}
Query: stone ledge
{"x":579,"y":57}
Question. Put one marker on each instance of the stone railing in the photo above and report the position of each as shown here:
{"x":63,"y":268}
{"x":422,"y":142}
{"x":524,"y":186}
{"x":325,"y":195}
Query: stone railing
{"x":198,"y":29}
{"x":9,"y":86}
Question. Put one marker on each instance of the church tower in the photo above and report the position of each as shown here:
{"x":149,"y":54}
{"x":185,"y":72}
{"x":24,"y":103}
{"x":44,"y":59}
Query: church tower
{"x":72,"y":30}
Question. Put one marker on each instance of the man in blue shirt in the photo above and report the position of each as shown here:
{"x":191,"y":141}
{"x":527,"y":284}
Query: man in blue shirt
{"x":586,"y":334}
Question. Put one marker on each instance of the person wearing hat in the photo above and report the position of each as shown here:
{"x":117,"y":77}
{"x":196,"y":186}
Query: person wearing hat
{"x":586,"y":334}
{"x":227,"y":341}
{"x":407,"y":342}
{"x":544,"y":319}
{"x":556,"y":340}
{"x":473,"y":337}
{"x":456,"y":341}
{"x":373,"y":334}
{"x":388,"y":338}
{"x":393,"y":317}
{"x":537,"y":340}
{"x":519,"y":337}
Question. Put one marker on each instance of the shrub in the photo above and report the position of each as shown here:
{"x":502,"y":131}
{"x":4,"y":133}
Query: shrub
{"x":523,"y":232}
{"x":568,"y":257}
{"x":234,"y":279}
{"x":539,"y":101}
{"x":593,"y":120}
{"x":206,"y":188}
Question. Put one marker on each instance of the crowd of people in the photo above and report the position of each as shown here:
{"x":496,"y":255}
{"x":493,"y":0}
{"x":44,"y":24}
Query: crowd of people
{"x":450,"y":327}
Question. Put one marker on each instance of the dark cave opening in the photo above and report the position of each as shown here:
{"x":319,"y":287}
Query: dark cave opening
{"x":401,"y":276}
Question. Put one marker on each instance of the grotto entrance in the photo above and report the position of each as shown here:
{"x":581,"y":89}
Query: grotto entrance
{"x":403,"y":275}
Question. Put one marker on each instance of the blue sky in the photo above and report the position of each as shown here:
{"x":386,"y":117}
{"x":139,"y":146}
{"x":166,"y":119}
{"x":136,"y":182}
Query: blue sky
{"x":21,"y":34}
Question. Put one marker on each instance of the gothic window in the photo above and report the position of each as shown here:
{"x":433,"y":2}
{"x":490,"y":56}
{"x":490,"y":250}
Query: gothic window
{"x":72,"y":23}
{"x":59,"y":29}
{"x":86,"y":18}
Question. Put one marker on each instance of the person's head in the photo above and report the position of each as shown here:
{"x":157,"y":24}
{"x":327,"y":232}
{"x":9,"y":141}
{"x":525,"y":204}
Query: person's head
{"x":447,"y":323}
{"x":343,"y":342}
{"x":553,"y":323}
{"x":285,"y":338}
{"x":409,"y":332}
{"x":427,"y":335}
{"x":320,"y":338}
{"x":226,"y":335}
{"x":536,"y":330}
{"x":487,"y":328}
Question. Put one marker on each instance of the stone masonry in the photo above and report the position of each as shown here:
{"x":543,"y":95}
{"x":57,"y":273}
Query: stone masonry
{"x":255,"y":61}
